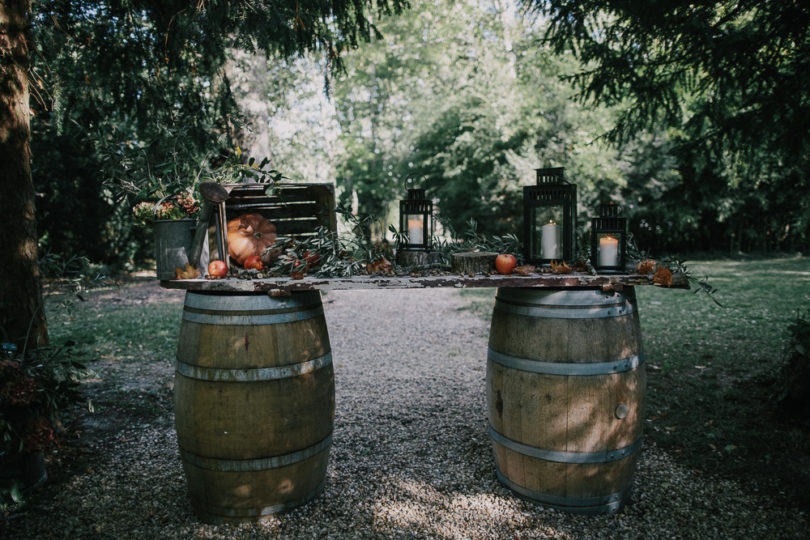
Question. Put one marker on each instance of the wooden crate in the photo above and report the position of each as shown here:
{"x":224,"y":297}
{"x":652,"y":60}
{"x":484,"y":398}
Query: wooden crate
{"x":295,"y":209}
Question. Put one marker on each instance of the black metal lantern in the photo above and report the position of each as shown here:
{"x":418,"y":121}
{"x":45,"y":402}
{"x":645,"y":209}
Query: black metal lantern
{"x":549,"y":217}
{"x":416,"y":221}
{"x":609,"y":240}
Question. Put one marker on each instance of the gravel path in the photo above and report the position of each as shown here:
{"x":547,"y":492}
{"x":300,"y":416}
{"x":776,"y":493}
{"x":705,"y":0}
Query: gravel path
{"x":411,"y":456}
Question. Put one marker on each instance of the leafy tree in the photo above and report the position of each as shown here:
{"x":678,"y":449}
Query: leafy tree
{"x":374,"y":105}
{"x":731,"y":78}
{"x":122,"y":74}
{"x":458,"y":98}
{"x":289,"y":117}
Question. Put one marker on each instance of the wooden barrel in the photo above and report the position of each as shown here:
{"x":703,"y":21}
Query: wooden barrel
{"x":565,"y":393}
{"x":254,"y":402}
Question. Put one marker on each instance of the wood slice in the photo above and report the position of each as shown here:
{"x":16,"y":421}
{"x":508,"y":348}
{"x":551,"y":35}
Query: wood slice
{"x":412,"y":258}
{"x":474,"y":262}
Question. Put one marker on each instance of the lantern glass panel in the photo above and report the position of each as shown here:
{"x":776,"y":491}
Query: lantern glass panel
{"x":608,"y":254}
{"x":548,"y":227}
{"x":609,"y":240}
{"x":415,"y":225}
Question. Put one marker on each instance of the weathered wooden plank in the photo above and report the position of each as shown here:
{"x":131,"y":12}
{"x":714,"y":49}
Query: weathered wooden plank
{"x":286,"y":227}
{"x":278,"y":284}
{"x":279,"y":211}
{"x":283,"y":193}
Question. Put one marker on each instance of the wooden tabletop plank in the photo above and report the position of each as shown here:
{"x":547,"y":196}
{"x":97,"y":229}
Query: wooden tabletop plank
{"x":679,"y":281}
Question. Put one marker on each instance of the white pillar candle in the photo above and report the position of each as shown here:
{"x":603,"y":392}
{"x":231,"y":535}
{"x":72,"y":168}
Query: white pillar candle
{"x":549,"y":247}
{"x":415,"y":231}
{"x":608,"y":251}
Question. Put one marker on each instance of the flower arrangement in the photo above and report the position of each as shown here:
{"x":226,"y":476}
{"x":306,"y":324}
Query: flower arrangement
{"x":180,"y":206}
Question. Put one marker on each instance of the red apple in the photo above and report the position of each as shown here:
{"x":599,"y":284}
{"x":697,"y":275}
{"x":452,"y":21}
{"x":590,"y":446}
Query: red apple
{"x":217,"y":269}
{"x":505,"y":263}
{"x":253,"y":262}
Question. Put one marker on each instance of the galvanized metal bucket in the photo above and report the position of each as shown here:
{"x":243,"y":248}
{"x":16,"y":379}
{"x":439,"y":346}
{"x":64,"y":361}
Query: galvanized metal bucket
{"x":173,"y":239}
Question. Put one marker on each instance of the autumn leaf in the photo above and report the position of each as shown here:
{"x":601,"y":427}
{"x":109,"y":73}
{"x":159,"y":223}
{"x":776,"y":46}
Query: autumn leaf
{"x":645,"y":266}
{"x":380,"y":265}
{"x":188,"y":273}
{"x":663,"y":276}
{"x":580,"y":266}
{"x":524,"y":270}
{"x":560,"y":268}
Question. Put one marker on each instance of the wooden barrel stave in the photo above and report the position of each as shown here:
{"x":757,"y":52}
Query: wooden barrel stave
{"x":223,"y":496}
{"x":565,"y":396}
{"x":254,"y":403}
{"x":212,"y":415}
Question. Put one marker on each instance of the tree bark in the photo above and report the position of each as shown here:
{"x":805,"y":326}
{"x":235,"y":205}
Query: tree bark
{"x":22,"y":318}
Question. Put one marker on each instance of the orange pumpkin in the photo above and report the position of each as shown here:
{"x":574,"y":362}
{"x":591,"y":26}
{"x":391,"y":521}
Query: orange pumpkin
{"x":251,"y":234}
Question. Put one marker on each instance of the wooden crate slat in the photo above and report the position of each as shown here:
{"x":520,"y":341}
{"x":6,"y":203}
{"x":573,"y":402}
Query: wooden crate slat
{"x":309,"y":205}
{"x":296,"y":226}
{"x":321,"y":193}
{"x":280,"y":212}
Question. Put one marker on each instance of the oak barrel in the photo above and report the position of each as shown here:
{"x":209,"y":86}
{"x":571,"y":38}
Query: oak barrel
{"x":254,"y":402}
{"x":565,"y":395}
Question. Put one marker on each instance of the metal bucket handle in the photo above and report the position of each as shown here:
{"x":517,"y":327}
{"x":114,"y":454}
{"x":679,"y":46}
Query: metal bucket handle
{"x":157,"y":205}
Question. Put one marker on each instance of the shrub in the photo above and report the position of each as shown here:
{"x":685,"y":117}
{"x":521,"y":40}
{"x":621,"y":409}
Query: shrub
{"x":34,"y":387}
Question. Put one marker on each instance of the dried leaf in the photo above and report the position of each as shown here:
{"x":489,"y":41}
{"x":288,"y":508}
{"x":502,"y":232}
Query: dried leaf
{"x":560,"y":268}
{"x":608,"y":288}
{"x":278,"y":293}
{"x":524,"y":270}
{"x":188,"y":273}
{"x":663,"y":276}
{"x":380,"y":265}
{"x":646,"y":266}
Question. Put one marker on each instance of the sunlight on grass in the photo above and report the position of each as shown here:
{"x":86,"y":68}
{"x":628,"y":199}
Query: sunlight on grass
{"x":104,"y":329}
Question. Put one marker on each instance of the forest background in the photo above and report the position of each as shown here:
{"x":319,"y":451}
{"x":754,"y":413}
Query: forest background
{"x":462,"y":98}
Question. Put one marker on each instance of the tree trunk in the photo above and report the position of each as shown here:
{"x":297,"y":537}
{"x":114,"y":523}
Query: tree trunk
{"x":22,"y":318}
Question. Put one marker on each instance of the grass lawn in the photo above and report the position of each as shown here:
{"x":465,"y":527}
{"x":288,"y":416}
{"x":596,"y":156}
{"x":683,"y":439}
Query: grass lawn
{"x":714,"y":373}
{"x":128,"y":348}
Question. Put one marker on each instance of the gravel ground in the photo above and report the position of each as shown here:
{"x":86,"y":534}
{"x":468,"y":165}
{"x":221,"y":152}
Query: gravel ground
{"x":411,"y":456}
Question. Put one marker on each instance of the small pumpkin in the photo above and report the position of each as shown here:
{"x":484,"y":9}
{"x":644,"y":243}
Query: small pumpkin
{"x":251,"y":234}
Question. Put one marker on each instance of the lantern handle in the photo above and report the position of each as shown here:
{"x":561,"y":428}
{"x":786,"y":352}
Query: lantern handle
{"x":610,"y":210}
{"x":550,"y":175}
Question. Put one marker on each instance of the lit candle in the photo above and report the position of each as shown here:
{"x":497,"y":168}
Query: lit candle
{"x":549,"y":248}
{"x":415,"y":231}
{"x":608,"y":251}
